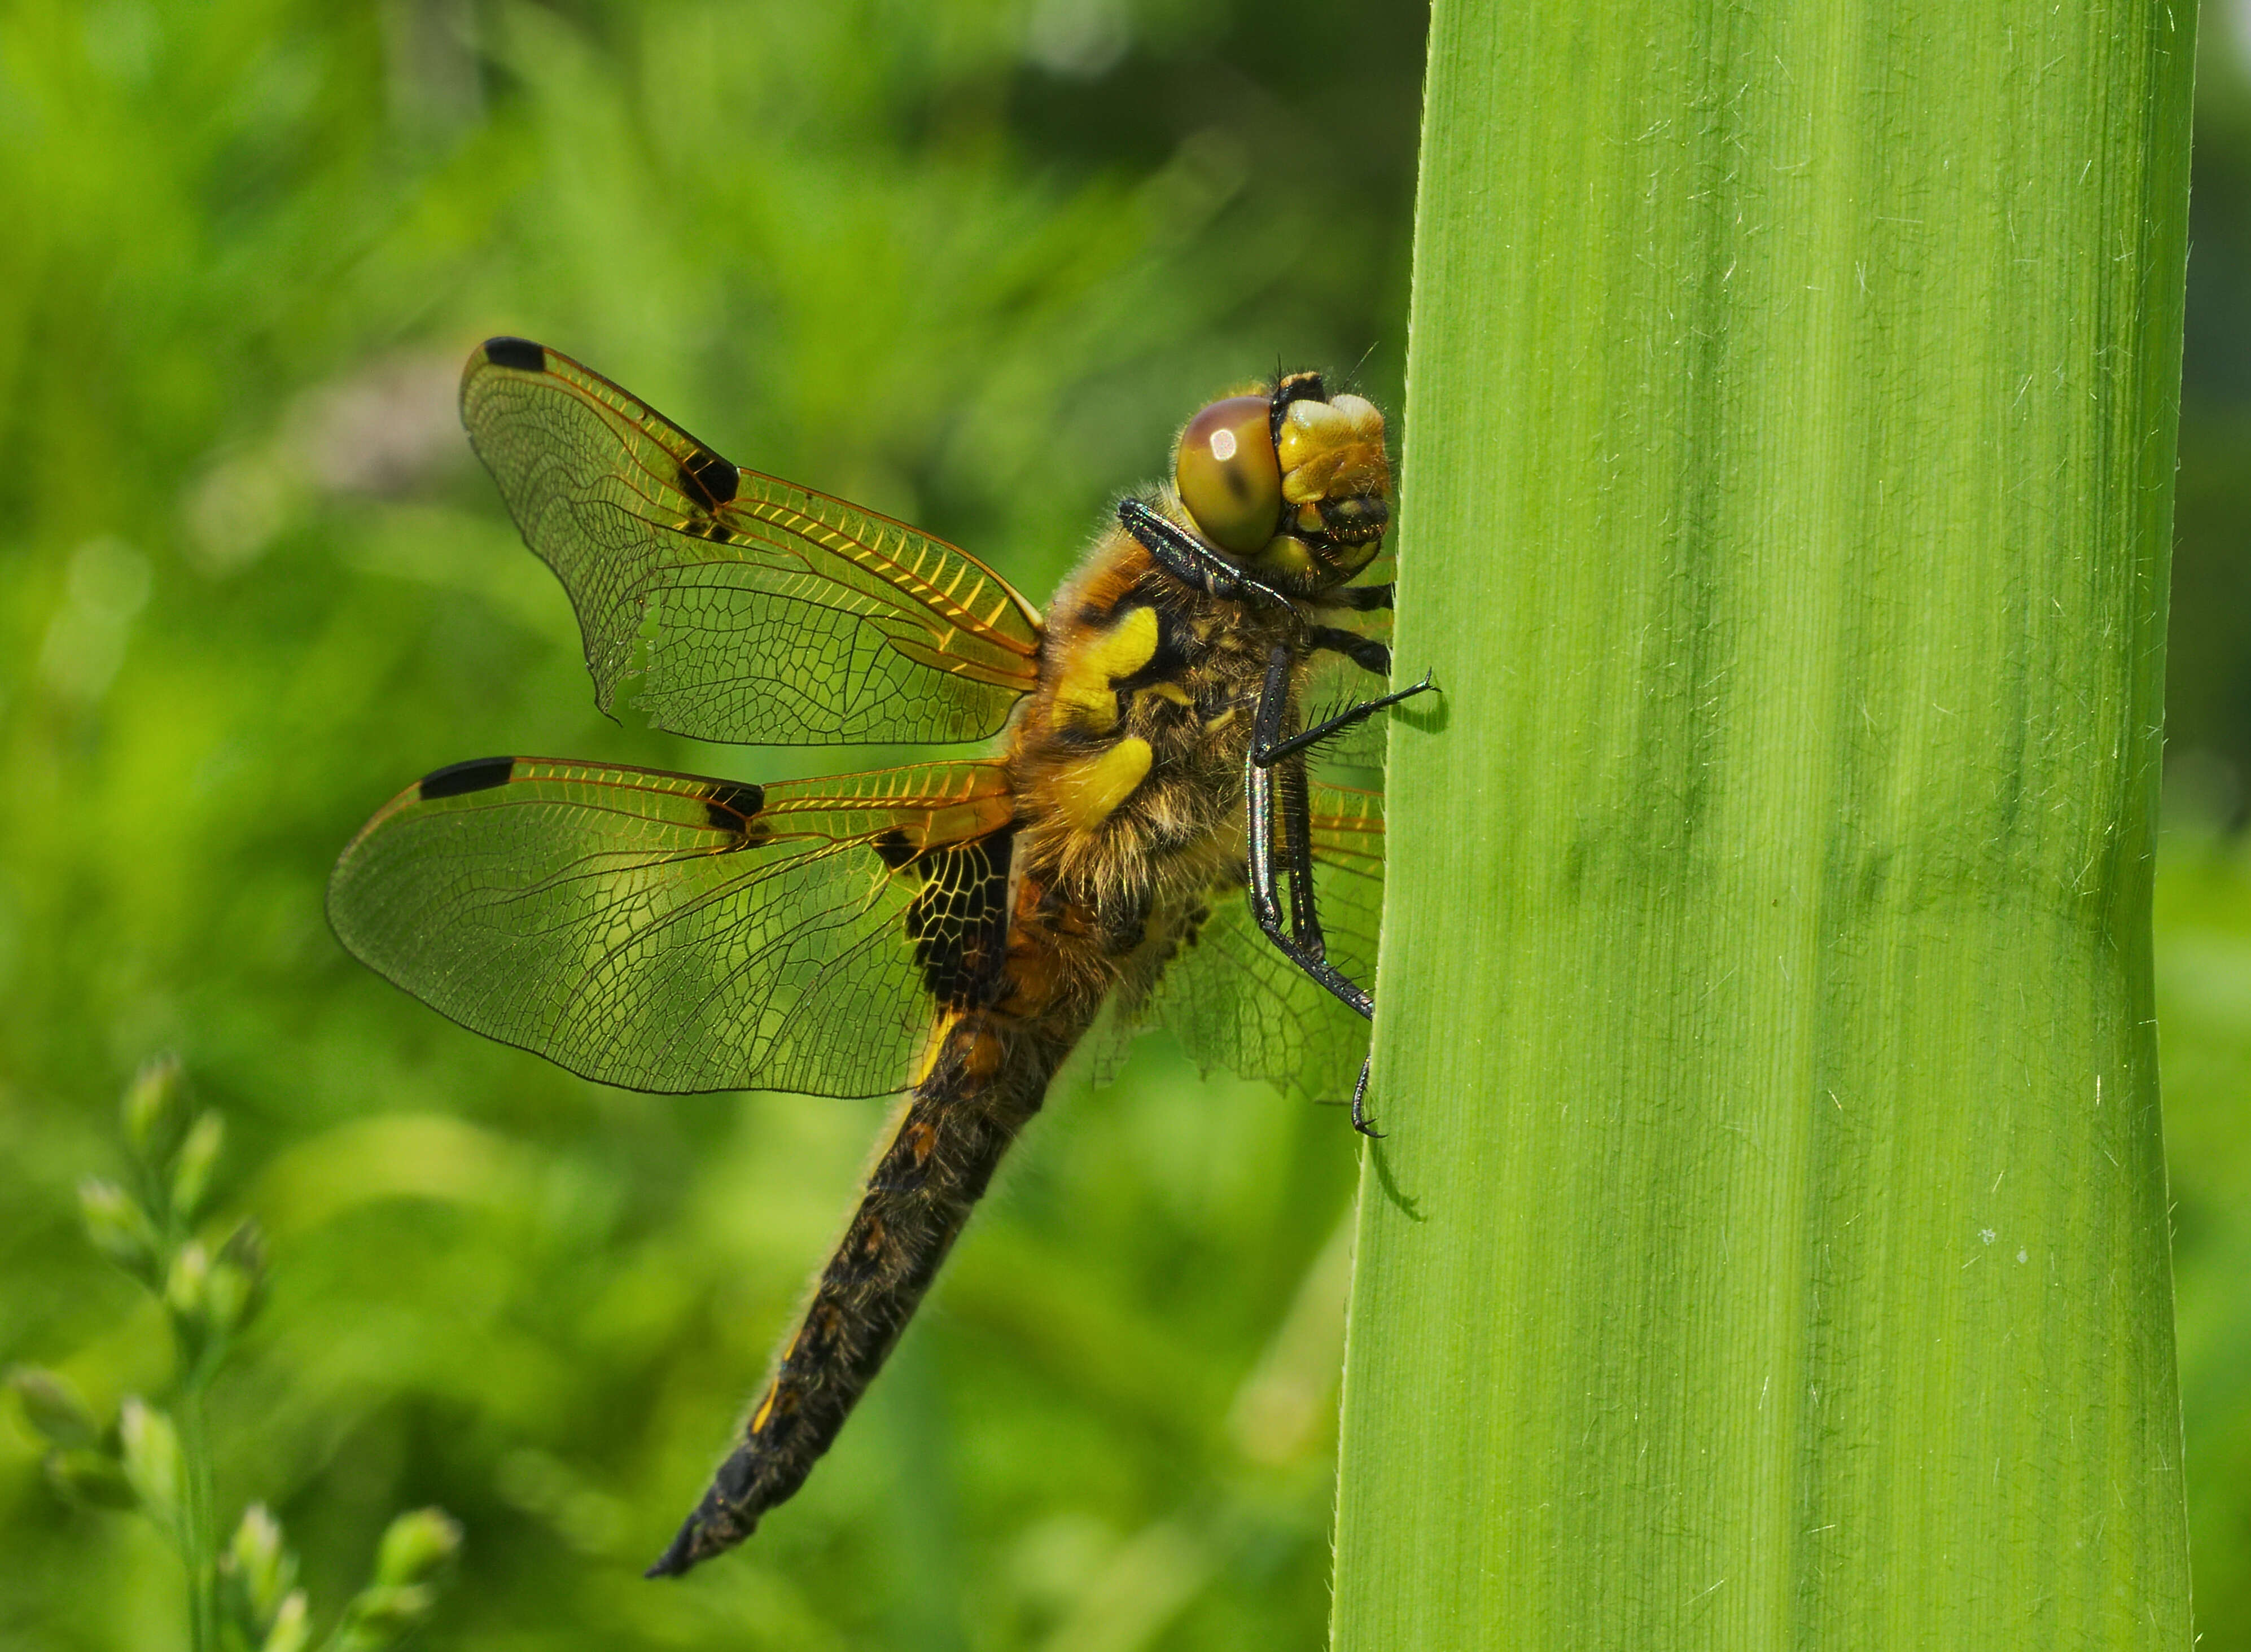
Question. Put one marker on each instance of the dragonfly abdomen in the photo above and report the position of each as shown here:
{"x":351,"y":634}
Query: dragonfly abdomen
{"x":987,"y":1079}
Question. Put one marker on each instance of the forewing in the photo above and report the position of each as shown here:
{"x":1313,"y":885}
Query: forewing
{"x":756,"y":611}
{"x":1235,"y":1001}
{"x":666,"y":932}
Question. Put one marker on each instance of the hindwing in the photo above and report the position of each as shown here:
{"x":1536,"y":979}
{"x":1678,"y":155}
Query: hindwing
{"x":669,"y":932}
{"x":1235,"y":1001}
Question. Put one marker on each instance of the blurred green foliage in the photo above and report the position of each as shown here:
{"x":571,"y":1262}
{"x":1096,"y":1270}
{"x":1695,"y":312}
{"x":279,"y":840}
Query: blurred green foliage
{"x":970,"y":264}
{"x":158,"y":1460}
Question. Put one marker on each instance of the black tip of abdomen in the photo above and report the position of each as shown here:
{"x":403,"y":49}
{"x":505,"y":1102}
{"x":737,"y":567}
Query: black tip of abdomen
{"x":715,"y":1527}
{"x":676,"y":1559}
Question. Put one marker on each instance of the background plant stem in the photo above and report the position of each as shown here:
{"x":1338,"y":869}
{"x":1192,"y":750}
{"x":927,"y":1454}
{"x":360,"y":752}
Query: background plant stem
{"x":1769,"y":1249}
{"x":198,"y":1518}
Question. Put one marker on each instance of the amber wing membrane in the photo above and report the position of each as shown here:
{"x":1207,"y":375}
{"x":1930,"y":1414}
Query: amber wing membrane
{"x":755,"y":610}
{"x":667,"y":932}
{"x":1235,"y":1002}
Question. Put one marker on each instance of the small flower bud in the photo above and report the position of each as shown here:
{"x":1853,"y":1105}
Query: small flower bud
{"x":417,"y":1547}
{"x":257,"y":1572}
{"x":235,"y":1287}
{"x":90,"y":1477}
{"x":120,"y":1229}
{"x":293,"y":1626}
{"x":192,"y":1169}
{"x":382,"y":1616}
{"x":155,"y":1111}
{"x":53,"y":1407}
{"x":153,"y":1466}
{"x":187,"y":1285}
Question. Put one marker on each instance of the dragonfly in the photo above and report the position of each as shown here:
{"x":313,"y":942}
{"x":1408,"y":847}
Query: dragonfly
{"x":1150,"y":843}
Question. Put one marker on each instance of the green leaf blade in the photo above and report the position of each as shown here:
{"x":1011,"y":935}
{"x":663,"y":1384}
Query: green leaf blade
{"x":1792,"y":399}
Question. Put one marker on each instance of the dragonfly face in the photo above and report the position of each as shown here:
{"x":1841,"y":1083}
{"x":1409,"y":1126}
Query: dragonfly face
{"x":1294,"y":487}
{"x":1146,"y":837}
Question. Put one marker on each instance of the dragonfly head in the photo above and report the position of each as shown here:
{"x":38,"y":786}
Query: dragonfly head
{"x":1291,"y":484}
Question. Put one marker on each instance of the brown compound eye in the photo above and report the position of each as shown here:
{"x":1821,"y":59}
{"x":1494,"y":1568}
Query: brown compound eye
{"x":1228,"y":474}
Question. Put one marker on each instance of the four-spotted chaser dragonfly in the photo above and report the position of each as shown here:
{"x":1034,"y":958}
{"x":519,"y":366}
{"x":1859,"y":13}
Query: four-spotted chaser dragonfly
{"x":1148,"y":837}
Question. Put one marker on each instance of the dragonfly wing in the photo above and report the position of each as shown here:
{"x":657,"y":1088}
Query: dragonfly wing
{"x":1336,"y":683}
{"x":756,"y":611}
{"x":1232,"y":998}
{"x":666,"y":932}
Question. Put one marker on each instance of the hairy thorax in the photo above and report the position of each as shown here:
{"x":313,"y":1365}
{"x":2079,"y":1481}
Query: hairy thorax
{"x":1127,"y":759}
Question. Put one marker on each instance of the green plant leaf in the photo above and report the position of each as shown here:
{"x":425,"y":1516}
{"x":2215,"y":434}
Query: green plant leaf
{"x":1768,"y":1250}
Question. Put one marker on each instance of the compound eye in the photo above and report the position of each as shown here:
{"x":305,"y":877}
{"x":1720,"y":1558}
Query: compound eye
{"x":1228,"y":474}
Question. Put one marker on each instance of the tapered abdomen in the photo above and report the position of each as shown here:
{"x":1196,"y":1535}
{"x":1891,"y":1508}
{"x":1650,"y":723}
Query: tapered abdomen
{"x":988,"y":1079}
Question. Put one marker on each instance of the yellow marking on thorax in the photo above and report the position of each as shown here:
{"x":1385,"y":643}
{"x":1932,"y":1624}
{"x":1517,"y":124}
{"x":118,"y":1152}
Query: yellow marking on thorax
{"x":1084,"y":698}
{"x":1171,"y":691}
{"x":1088,"y":792}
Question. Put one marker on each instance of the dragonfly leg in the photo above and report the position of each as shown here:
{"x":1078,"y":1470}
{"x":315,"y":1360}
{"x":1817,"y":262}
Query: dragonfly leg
{"x":1281,"y":842}
{"x":1361,"y":598}
{"x":1364,"y":651}
{"x":1273,"y":751}
{"x":1358,"y":1102}
{"x":1187,"y":558}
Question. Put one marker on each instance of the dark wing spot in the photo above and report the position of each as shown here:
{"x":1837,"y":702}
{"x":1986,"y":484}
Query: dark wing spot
{"x":478,"y":774}
{"x":519,"y":353}
{"x":959,"y":921}
{"x":713,"y":477}
{"x":893,"y":848}
{"x":732,"y":806}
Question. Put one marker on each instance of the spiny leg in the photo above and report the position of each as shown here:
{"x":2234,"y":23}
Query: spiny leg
{"x":1272,"y":817}
{"x":1275,"y":795}
{"x":1360,"y":1100}
{"x":1322,"y":731}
